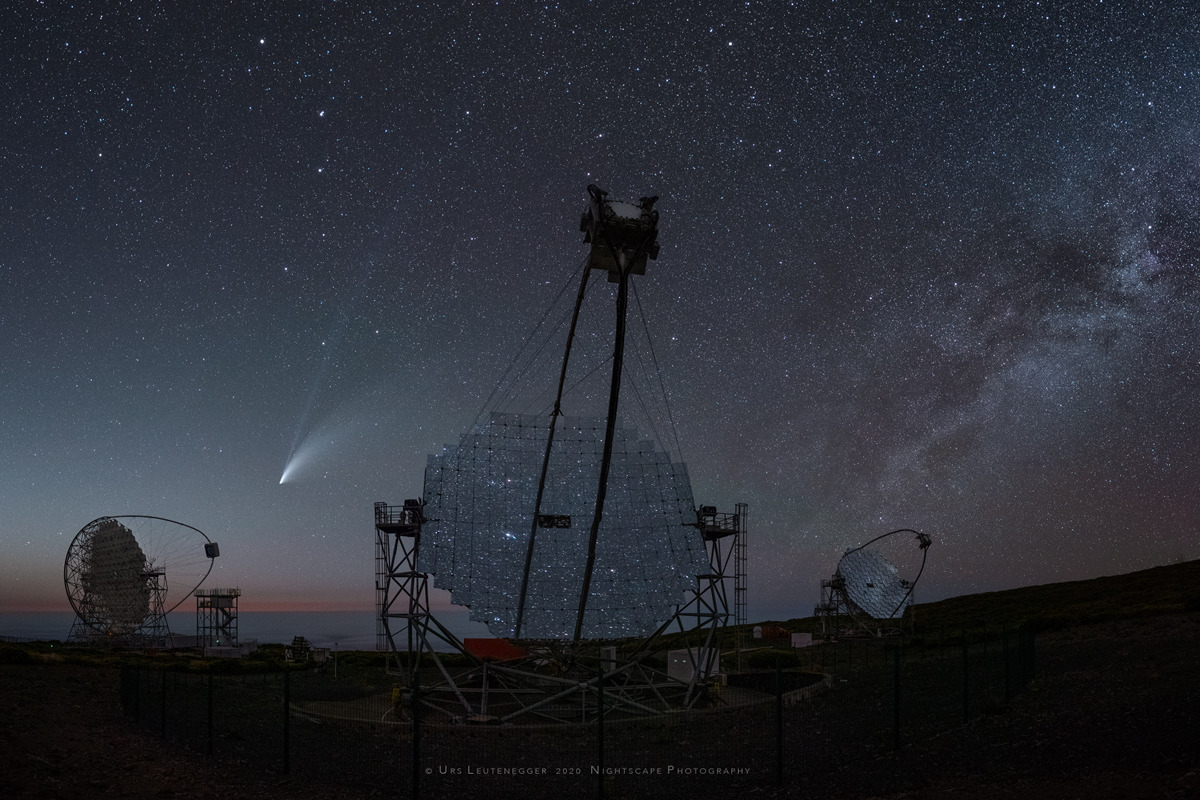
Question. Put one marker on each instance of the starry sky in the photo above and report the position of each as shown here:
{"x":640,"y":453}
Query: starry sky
{"x":925,"y":265}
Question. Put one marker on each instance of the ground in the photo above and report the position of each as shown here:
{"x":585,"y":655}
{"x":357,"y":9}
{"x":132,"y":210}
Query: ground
{"x":1114,"y":713}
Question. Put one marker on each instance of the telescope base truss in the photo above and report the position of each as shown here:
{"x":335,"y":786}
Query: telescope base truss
{"x":839,"y":615}
{"x":151,"y":634}
{"x":555,"y":681}
{"x":217,"y":617}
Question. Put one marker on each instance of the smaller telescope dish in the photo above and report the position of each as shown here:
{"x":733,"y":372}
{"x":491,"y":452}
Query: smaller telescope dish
{"x":871,"y":586}
{"x":123,"y":575}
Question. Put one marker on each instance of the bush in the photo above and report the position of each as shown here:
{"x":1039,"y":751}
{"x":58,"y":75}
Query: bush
{"x":768,"y":659}
{"x":15,"y":655}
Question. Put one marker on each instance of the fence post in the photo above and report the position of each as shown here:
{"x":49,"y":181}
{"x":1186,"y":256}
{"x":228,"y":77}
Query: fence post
{"x":1020,"y":658}
{"x":416,"y":734}
{"x":966,"y":682}
{"x":1007,"y":678}
{"x":778,"y":722}
{"x":1025,"y":656}
{"x":600,"y":732}
{"x":210,"y":713}
{"x":287,"y":721}
{"x":895,"y":696}
{"x":162,"y":706}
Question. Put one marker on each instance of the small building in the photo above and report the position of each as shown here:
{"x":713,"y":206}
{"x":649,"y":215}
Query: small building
{"x":801,"y":640}
{"x":698,"y":663}
{"x":175,"y":641}
{"x":231,"y":651}
{"x":608,"y":657}
{"x":298,"y":651}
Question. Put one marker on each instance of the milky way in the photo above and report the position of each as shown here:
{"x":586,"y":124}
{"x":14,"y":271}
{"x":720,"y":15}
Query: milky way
{"x":933,"y":269}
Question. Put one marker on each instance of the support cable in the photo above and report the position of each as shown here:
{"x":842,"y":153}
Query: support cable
{"x":510,"y":394}
{"x":525,"y":344}
{"x":581,"y":381}
{"x":657,"y":371}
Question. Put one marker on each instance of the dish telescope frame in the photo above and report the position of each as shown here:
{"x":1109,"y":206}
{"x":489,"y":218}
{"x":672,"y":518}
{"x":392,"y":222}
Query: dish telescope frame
{"x":564,"y":680}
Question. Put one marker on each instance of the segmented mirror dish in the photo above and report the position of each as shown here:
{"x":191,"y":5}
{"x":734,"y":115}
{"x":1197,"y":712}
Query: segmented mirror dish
{"x":874,"y":584}
{"x":121,"y":570}
{"x":480,"y":497}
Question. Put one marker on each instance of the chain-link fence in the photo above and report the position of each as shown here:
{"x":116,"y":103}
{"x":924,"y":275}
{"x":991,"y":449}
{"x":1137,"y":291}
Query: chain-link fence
{"x":759,"y":730}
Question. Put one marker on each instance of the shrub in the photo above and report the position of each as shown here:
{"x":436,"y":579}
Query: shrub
{"x":767,"y":659}
{"x":15,"y":655}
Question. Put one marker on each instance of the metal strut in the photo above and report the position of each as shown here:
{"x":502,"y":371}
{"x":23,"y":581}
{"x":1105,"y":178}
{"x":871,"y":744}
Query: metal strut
{"x":554,"y":415}
{"x":625,"y":262}
{"x":614,"y":395}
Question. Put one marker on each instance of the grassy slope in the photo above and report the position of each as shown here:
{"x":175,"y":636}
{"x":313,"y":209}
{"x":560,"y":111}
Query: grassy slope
{"x":1159,"y":590}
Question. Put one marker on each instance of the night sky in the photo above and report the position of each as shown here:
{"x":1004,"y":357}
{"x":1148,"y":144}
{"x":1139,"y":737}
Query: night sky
{"x":930,"y":268}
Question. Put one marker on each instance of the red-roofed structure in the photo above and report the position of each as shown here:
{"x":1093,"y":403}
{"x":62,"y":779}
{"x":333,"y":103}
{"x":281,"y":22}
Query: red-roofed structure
{"x":494,"y":649}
